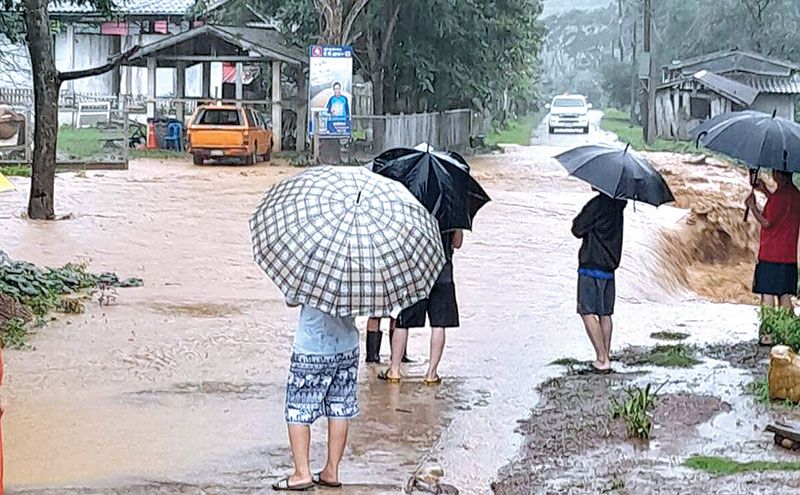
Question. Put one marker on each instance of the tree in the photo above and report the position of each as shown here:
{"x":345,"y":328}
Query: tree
{"x":33,"y":16}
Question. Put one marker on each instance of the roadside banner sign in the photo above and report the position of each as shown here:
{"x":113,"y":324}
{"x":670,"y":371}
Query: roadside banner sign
{"x":330,"y":90}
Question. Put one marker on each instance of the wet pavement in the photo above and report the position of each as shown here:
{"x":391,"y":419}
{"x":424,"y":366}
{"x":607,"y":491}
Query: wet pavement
{"x":178,"y":388}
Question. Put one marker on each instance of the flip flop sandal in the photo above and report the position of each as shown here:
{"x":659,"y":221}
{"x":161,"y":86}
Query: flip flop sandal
{"x":430,"y":383}
{"x":593,"y":370}
{"x":384,"y":375}
{"x":317,"y":479}
{"x":284,"y":486}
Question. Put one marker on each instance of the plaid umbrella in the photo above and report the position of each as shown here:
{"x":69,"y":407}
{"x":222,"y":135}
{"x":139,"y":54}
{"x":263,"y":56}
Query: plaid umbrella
{"x":347,"y":241}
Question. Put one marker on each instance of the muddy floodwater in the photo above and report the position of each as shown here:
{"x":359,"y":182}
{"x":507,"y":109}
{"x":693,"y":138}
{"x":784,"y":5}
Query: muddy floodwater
{"x":179,"y":386}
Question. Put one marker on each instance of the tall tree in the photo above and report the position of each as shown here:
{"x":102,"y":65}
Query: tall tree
{"x":47,"y":81}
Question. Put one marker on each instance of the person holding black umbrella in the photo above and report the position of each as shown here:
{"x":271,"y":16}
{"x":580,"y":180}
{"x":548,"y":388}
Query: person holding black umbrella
{"x":775,"y":279}
{"x":599,"y":226}
{"x":618,"y":176}
{"x":441,"y":308}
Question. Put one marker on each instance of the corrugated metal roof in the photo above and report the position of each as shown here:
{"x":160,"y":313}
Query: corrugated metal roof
{"x":130,"y":7}
{"x":734,"y":91}
{"x":779,"y":85}
{"x":268,"y":43}
{"x":735,"y":61}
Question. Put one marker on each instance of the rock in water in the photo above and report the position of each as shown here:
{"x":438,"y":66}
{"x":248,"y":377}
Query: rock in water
{"x":784,"y":374}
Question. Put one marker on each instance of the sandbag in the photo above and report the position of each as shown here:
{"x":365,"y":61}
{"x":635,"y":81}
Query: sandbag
{"x":784,"y":374}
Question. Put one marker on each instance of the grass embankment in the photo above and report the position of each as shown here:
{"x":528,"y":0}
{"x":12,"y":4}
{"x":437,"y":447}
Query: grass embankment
{"x":726,"y":466}
{"x":619,"y":122}
{"x":517,"y":131}
{"x":15,"y":170}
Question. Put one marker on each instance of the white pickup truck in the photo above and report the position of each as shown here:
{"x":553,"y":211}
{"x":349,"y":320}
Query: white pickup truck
{"x":568,"y":112}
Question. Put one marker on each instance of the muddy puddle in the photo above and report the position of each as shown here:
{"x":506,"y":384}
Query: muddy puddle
{"x":178,"y":387}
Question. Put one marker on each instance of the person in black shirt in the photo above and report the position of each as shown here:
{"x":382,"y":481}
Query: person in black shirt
{"x":599,"y":226}
{"x":441,"y":308}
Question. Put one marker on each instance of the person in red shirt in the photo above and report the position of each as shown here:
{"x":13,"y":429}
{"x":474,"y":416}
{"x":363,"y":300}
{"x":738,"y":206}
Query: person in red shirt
{"x":776,"y":271}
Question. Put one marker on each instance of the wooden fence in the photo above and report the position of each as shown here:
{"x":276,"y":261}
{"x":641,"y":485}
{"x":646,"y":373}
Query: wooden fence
{"x":445,"y":130}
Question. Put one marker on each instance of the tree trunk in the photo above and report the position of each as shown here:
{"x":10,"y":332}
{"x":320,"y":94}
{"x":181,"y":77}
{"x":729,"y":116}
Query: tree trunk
{"x":45,"y":91}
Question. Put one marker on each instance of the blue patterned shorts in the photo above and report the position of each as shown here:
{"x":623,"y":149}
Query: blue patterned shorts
{"x":322,"y":385}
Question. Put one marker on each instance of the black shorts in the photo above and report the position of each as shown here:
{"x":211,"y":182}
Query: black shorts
{"x":596,"y":296}
{"x":775,"y":279}
{"x":440,"y":306}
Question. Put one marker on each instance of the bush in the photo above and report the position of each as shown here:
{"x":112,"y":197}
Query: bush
{"x":782,"y":325}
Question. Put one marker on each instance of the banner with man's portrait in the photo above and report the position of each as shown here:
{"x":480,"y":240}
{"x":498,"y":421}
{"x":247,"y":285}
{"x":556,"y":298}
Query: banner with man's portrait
{"x":330,"y":90}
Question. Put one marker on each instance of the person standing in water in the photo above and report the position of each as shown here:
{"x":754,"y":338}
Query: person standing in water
{"x":375,"y":338}
{"x":775,"y":278}
{"x":441,"y":308}
{"x":599,"y":226}
{"x":322,"y":382}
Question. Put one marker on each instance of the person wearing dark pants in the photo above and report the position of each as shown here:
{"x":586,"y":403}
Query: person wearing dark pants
{"x":441,"y":309}
{"x":775,"y":279}
{"x":375,"y":338}
{"x":599,"y":226}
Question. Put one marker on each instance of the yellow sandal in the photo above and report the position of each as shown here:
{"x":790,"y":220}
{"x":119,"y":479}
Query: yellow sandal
{"x":384,"y":375}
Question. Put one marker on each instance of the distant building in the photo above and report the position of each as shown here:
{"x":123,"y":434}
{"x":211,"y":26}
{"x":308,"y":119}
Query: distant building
{"x":85,"y":38}
{"x":699,"y":88}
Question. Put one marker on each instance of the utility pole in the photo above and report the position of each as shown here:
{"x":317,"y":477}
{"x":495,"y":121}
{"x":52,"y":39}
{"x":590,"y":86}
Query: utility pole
{"x":619,"y":22}
{"x":634,"y":76}
{"x":649,"y":97}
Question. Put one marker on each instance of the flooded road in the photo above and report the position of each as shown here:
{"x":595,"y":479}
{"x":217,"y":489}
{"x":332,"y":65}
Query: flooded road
{"x":178,"y":388}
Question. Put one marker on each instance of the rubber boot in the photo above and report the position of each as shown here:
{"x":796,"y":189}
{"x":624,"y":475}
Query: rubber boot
{"x":405,"y":359}
{"x":374,"y":347}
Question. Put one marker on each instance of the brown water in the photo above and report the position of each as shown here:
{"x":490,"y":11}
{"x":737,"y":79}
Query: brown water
{"x":180,"y":384}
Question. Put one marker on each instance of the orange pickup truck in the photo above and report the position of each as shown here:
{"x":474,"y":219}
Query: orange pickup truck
{"x":225,"y":131}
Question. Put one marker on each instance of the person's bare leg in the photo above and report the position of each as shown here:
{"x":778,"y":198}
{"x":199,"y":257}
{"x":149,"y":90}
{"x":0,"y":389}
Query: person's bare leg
{"x":595,"y":333}
{"x":399,"y":341}
{"x":785,"y":301}
{"x":337,"y":440}
{"x":438,"y":337}
{"x":607,"y":326}
{"x":300,"y":440}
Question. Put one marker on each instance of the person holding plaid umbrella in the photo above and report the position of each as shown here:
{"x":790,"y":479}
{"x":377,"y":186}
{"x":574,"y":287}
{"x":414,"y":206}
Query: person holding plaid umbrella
{"x":341,"y":242}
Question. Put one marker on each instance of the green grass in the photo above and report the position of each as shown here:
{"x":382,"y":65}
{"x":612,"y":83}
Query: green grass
{"x":636,"y":410}
{"x":672,"y":356}
{"x":618,"y":122}
{"x":15,"y":170}
{"x":759,"y":389}
{"x":517,"y":131}
{"x":669,"y":335}
{"x":79,"y":143}
{"x":727,"y":466}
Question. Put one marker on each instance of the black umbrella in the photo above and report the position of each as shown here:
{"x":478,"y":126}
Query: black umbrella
{"x":439,"y":180}
{"x":757,"y":139}
{"x":617,"y":173}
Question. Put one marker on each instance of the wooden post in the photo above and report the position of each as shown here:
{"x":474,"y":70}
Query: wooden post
{"x":277,"y":108}
{"x":126,"y":130}
{"x":206,"y":80}
{"x":239,"y":84}
{"x":180,"y":78}
{"x":302,"y":110}
{"x":316,"y":143}
{"x":151,"y":88}
{"x":70,"y":32}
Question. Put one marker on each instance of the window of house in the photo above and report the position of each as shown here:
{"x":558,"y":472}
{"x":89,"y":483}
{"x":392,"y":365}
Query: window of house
{"x":699,"y":108}
{"x":735,"y":107}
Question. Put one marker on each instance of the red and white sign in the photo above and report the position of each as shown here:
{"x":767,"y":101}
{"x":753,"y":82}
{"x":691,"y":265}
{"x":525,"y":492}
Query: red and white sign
{"x":114,"y":28}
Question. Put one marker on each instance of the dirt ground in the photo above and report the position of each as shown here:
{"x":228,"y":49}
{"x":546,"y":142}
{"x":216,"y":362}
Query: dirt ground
{"x":178,"y":387}
{"x":573,"y":446}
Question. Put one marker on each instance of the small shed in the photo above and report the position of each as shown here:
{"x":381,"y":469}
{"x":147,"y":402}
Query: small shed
{"x":214,"y":43}
{"x":700,"y":88}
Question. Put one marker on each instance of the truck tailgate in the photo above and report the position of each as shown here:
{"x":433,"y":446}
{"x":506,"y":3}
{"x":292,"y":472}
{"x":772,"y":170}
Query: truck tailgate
{"x":216,"y":137}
